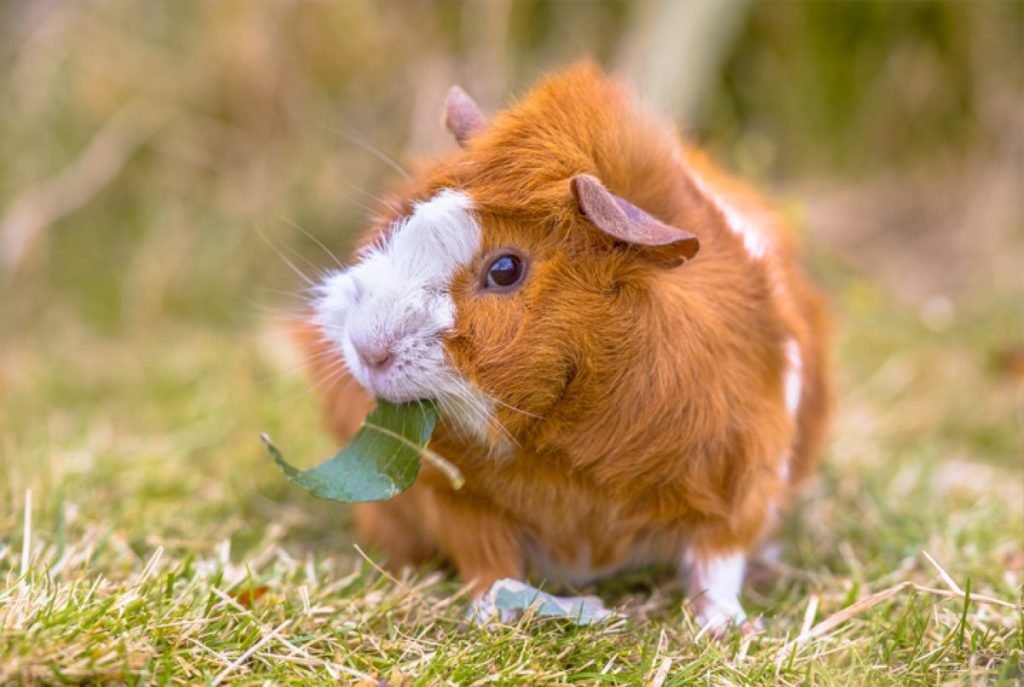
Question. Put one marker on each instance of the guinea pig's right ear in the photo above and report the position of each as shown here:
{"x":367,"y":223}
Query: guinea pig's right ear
{"x":462,"y":116}
{"x":623,"y":221}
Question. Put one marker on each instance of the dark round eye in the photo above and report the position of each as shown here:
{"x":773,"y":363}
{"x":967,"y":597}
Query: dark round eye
{"x":505,"y":271}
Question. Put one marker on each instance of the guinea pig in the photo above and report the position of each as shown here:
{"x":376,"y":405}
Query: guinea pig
{"x":628,"y":362}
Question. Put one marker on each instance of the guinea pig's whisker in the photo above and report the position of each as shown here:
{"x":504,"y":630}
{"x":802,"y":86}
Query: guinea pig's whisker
{"x":319,"y":272}
{"x":274,"y":312}
{"x":314,"y":239}
{"x":322,"y":356}
{"x":334,"y":373}
{"x":284,"y":258}
{"x":333,"y":376}
{"x":454,"y":405}
{"x":423,"y":410}
{"x":371,"y":212}
{"x":352,"y":137}
{"x":276,"y":292}
{"x":298,"y":369}
{"x":503,"y":429}
{"x":389,"y":204}
{"x":282,"y":312}
{"x":517,"y":410}
{"x":483,"y":413}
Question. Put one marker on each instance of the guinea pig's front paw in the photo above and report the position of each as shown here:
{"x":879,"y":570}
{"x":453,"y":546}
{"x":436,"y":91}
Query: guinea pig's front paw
{"x":718,"y":620}
{"x":714,"y":586}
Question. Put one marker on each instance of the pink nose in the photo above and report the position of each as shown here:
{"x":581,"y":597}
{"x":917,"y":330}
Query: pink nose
{"x":376,"y":356}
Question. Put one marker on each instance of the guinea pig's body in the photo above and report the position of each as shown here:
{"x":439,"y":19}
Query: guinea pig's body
{"x":629,"y":363}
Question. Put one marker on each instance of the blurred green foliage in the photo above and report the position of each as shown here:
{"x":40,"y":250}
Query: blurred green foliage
{"x":269,"y":110}
{"x":861,"y":87}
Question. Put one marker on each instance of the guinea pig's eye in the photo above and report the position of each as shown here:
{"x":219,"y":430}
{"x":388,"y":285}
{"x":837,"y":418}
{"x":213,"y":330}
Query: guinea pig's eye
{"x":504,"y":272}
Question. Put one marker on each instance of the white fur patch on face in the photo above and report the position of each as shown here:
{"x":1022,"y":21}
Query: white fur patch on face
{"x":388,"y":313}
{"x":714,"y":586}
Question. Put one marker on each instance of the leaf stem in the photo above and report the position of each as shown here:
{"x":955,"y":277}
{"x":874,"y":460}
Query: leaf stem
{"x":447,"y":468}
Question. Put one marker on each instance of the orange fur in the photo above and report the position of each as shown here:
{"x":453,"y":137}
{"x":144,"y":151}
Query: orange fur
{"x":644,"y":405}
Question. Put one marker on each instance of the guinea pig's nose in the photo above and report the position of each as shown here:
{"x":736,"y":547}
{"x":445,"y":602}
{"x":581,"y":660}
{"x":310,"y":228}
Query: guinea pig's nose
{"x":376,"y":355}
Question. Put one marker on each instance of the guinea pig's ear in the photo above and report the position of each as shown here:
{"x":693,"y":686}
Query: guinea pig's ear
{"x":462,"y":116}
{"x":623,"y":221}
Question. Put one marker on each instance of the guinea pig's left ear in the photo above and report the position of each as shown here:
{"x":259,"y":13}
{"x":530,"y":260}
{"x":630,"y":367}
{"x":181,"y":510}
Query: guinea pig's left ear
{"x":462,"y":116}
{"x":623,"y":221}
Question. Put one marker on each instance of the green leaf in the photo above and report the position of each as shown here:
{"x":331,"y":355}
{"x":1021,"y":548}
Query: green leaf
{"x":512,"y":597}
{"x":382,"y":460}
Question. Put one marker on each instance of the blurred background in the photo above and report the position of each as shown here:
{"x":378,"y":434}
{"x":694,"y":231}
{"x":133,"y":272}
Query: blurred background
{"x":162,"y":162}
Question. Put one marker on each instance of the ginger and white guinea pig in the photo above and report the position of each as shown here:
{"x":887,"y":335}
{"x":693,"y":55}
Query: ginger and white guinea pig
{"x":629,"y":364}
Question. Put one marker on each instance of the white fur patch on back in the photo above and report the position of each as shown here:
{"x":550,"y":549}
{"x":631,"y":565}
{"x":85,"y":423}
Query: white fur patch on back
{"x":792,"y":388}
{"x":793,"y":380}
{"x":755,"y":241}
{"x":783,"y":475}
{"x":397,"y":299}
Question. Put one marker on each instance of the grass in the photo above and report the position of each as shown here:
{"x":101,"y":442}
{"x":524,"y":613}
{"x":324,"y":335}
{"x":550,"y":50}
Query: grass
{"x":147,"y":537}
{"x":164,"y":546}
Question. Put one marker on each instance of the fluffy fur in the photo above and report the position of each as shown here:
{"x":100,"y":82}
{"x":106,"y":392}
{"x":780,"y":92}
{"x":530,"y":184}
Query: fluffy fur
{"x":640,"y":413}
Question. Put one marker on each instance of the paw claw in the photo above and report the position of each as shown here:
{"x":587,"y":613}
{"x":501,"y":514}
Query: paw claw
{"x":752,"y":627}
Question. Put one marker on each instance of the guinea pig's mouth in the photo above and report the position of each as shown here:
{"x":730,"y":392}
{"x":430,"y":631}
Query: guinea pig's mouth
{"x":387,"y":373}
{"x":394,"y":391}
{"x":429,"y":376}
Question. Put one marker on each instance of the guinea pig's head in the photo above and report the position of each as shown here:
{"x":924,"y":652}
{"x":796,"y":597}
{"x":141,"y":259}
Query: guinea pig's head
{"x":514,"y":269}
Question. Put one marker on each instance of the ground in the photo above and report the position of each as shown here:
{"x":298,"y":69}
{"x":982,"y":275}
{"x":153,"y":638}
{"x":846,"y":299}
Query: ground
{"x":146,"y":536}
